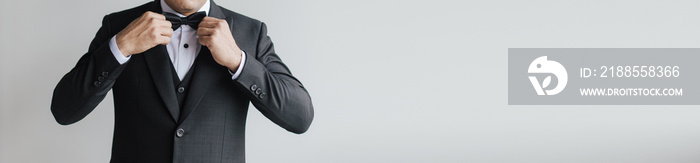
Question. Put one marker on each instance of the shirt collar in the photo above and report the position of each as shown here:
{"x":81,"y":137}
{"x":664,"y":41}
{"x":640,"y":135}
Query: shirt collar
{"x":167,"y":8}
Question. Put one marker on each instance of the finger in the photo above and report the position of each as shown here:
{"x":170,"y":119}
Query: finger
{"x":206,"y":24}
{"x":156,"y":23}
{"x":165,"y":23}
{"x":208,"y":18}
{"x":159,"y":16}
{"x":166,"y":31}
{"x":205,"y":31}
{"x":156,"y":15}
{"x":163,"y":40}
{"x":149,"y":14}
{"x":205,"y":40}
{"x":212,"y":22}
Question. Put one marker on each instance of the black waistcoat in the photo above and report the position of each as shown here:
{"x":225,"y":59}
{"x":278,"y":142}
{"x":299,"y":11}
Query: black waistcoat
{"x":182,"y":87}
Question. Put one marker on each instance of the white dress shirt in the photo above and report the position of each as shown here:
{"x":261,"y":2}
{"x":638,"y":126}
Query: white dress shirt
{"x":183,"y":47}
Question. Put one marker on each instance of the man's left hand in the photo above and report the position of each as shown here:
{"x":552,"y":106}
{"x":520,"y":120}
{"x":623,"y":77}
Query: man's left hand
{"x":216,"y":35}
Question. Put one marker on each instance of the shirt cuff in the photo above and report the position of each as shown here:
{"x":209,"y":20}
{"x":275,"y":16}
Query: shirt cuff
{"x":240,"y":67}
{"x":115,"y":50}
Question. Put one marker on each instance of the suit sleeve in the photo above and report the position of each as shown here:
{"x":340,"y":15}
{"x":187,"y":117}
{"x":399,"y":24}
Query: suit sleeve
{"x":87,"y":84}
{"x":273,"y":90}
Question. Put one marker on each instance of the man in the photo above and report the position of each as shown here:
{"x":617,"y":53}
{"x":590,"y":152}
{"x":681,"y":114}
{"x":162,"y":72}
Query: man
{"x":182,"y":74}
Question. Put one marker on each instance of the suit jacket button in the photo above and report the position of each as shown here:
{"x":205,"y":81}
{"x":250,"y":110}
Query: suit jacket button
{"x":254,"y":87}
{"x":263,"y":95}
{"x":180,"y":132}
{"x":180,"y":89}
{"x":258,"y":91}
{"x":105,"y":73}
{"x":101,"y":78}
{"x":97,"y":83}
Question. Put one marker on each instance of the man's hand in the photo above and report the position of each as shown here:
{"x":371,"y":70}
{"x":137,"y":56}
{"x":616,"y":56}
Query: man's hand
{"x":216,"y":35}
{"x":145,"y":32}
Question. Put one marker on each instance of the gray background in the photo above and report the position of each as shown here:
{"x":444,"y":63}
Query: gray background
{"x":391,"y":80}
{"x":521,"y":91}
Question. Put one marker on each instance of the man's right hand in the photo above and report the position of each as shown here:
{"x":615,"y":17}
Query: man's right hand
{"x":145,"y":32}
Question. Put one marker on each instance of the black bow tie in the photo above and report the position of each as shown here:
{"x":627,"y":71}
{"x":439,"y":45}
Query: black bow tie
{"x":192,"y":20}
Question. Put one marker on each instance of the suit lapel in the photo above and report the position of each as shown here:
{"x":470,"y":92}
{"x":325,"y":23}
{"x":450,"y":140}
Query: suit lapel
{"x":159,"y":65}
{"x":215,"y":11}
{"x":205,"y":70}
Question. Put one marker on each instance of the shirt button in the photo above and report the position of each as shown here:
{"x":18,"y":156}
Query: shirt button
{"x":180,"y":132}
{"x":186,"y":45}
{"x":180,"y":89}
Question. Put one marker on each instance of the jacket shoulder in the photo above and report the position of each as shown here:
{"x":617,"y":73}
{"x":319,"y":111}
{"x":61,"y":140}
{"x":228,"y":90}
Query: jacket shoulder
{"x":119,"y":20}
{"x":241,"y":19}
{"x":134,"y":12}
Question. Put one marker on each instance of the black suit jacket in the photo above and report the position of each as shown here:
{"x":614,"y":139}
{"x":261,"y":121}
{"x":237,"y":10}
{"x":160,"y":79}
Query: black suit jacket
{"x":149,"y":124}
